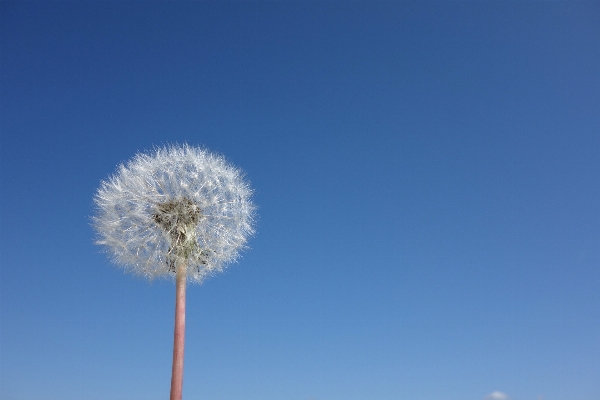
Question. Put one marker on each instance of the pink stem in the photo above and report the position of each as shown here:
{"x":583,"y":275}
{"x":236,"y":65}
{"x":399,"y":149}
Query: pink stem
{"x":177,"y":374}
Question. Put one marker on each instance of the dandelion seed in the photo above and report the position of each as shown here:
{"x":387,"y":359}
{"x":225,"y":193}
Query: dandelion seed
{"x":179,"y":212}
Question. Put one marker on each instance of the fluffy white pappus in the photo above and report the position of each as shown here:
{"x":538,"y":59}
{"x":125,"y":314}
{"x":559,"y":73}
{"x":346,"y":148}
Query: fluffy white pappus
{"x":178,"y":206}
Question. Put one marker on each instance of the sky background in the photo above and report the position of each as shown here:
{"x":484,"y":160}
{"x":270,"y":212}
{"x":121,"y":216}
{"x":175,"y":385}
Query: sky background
{"x":427,"y":177}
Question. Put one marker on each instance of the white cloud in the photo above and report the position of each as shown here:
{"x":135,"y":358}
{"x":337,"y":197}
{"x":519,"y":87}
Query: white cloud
{"x":496,"y":396}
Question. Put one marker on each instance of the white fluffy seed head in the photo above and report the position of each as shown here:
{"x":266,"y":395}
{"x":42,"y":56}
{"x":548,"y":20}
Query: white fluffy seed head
{"x":176,"y":207}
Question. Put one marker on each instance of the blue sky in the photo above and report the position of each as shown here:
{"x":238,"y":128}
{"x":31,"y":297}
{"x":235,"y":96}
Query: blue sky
{"x":427,"y":177}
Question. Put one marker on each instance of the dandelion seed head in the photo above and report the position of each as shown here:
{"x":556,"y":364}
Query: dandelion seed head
{"x":177,"y":206}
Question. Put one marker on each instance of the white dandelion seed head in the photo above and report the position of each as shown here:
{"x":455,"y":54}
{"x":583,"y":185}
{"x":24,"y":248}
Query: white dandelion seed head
{"x":176,"y":207}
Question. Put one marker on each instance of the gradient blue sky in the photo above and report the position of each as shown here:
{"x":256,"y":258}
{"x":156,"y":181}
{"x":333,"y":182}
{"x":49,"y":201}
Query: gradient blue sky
{"x":428,"y":183}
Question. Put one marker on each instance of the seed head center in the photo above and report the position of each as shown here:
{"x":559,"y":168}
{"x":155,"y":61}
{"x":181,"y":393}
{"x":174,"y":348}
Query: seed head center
{"x":178,"y":218}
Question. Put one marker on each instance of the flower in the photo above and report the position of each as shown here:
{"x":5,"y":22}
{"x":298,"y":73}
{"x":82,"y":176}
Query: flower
{"x":175,"y":207}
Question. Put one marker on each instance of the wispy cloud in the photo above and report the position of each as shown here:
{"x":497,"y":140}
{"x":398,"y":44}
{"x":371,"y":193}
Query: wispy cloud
{"x":496,"y":396}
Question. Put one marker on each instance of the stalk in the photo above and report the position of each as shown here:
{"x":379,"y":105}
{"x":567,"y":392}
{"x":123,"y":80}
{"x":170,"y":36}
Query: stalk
{"x":179,"y":337}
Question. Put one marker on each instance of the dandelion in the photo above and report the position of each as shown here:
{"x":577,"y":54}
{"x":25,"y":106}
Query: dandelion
{"x":178,"y":212}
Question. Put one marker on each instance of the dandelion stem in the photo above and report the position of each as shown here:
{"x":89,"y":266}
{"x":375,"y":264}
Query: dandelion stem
{"x":179,"y":337}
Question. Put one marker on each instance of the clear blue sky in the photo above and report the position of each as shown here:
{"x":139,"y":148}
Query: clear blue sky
{"x":428,"y":183}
